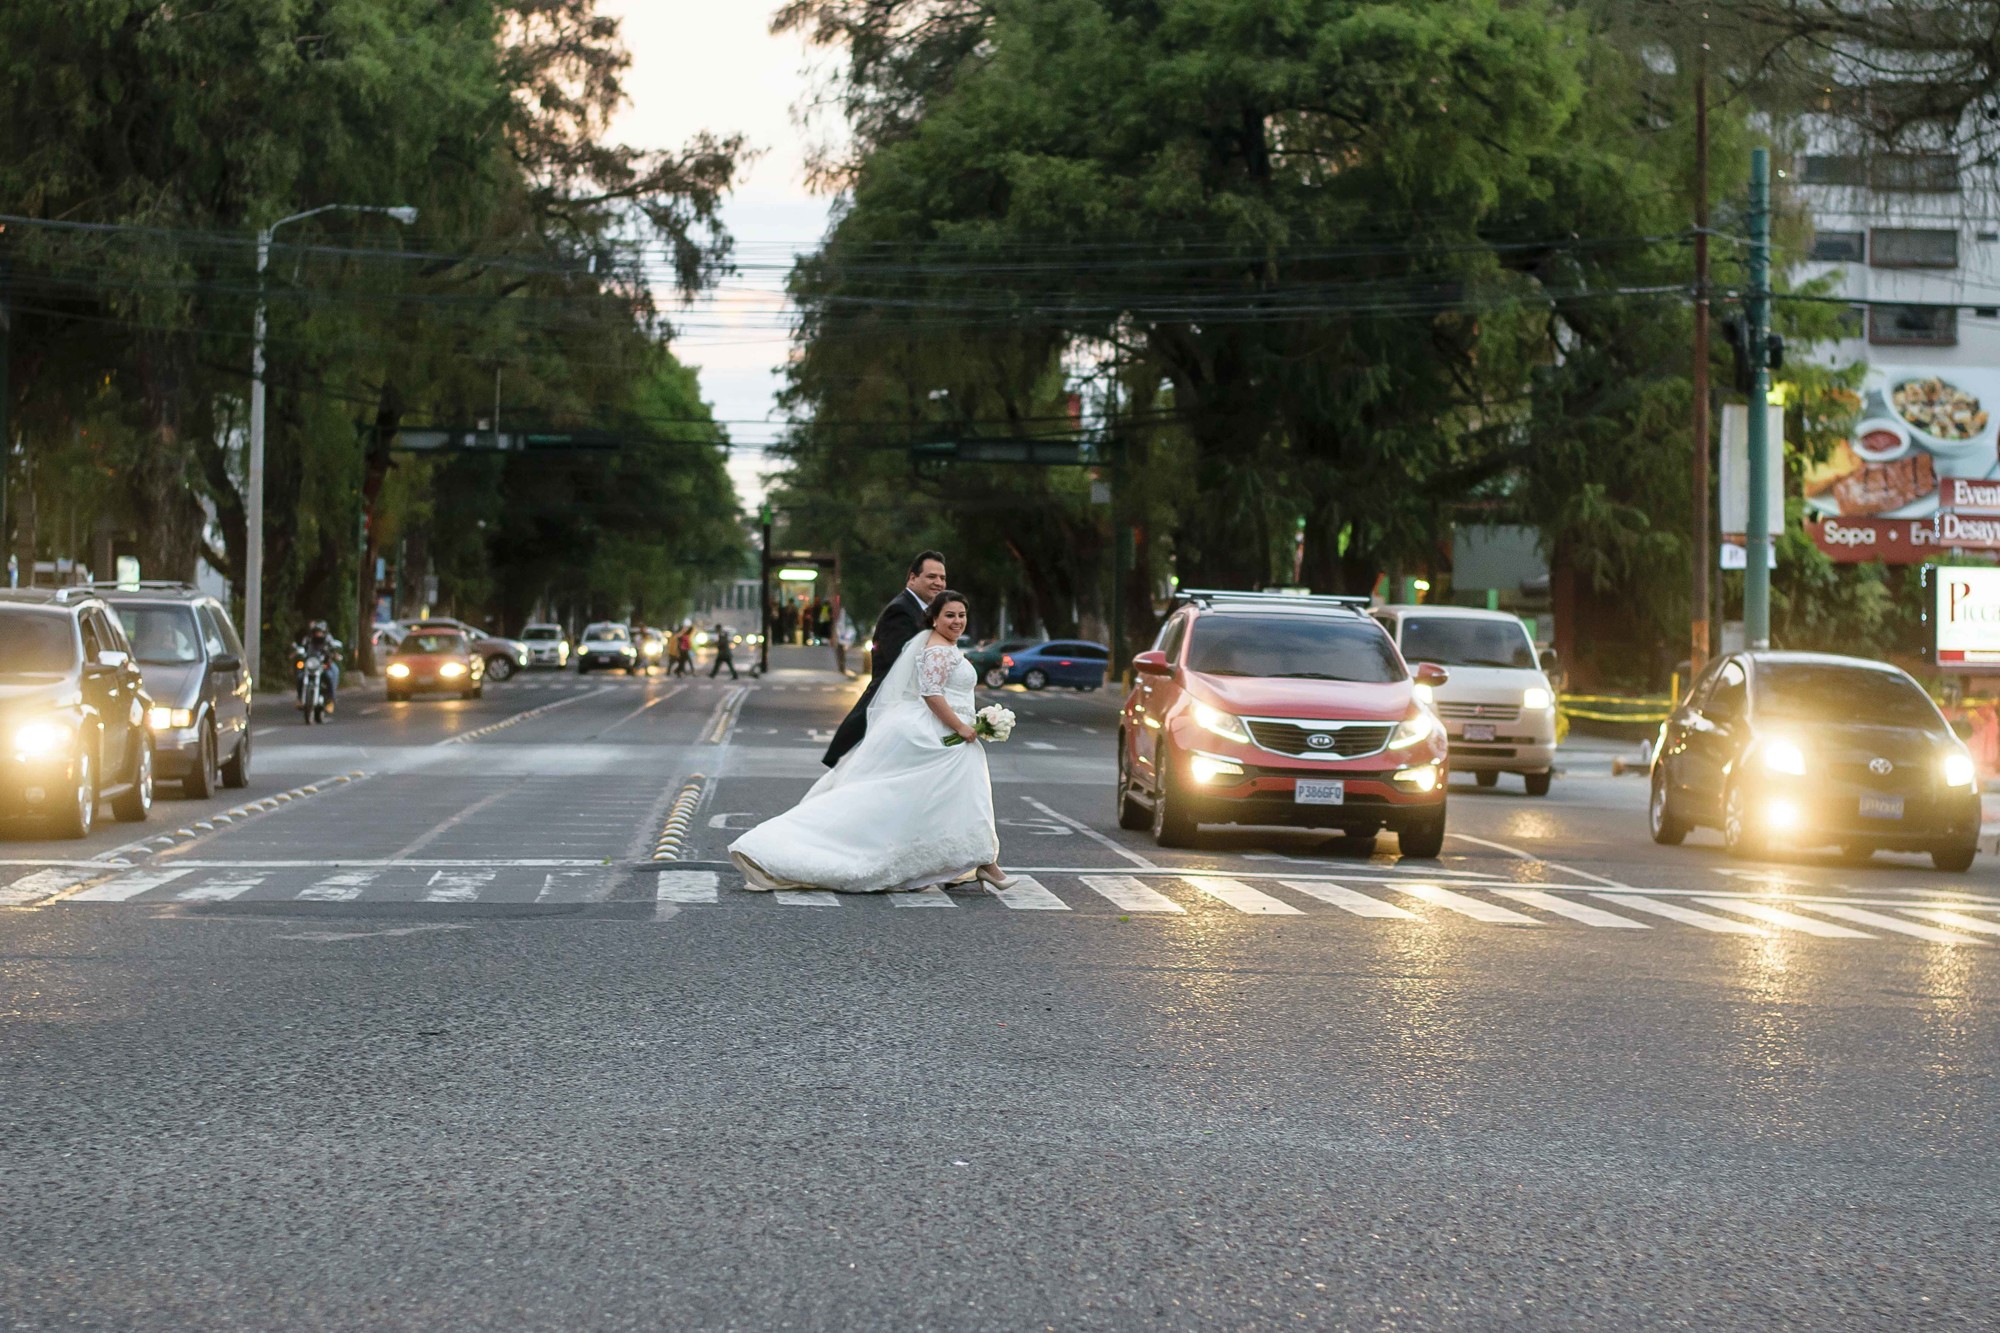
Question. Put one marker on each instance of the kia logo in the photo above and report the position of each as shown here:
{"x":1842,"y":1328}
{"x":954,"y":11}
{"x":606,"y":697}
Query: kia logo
{"x":1319,"y":740}
{"x":1881,"y":768}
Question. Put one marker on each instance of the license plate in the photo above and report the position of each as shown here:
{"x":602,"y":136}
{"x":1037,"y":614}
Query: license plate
{"x":1881,"y":807}
{"x":1314,"y":791}
{"x":1479,"y":731}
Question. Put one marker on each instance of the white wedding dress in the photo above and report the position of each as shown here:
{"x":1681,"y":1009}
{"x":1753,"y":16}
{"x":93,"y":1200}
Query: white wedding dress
{"x":902,"y":810}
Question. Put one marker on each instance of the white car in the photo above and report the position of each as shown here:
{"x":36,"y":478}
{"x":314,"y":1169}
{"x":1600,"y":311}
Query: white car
{"x":1498,"y":708}
{"x":547,"y":646}
{"x":608,"y":645}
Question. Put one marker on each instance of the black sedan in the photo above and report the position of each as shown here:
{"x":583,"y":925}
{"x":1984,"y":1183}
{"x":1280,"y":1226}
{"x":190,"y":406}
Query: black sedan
{"x":1806,"y":750}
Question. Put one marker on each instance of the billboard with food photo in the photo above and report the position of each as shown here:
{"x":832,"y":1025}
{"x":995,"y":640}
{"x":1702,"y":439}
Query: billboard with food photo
{"x":1876,"y":497}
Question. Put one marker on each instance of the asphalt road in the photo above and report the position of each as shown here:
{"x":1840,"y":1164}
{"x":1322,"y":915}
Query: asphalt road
{"x":435,"y":1042}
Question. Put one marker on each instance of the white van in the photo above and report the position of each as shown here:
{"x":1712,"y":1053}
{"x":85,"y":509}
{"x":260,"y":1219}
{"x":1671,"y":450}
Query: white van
{"x":1498,"y":708}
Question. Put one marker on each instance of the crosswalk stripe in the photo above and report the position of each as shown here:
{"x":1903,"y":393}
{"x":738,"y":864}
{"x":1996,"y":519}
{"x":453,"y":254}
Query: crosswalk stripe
{"x":42,"y":883}
{"x":128,"y":886}
{"x":220,"y":890}
{"x":1349,"y":900}
{"x":1687,"y":916}
{"x":1242,"y":897}
{"x":1475,"y":908}
{"x":457,"y":886}
{"x":559,"y":886}
{"x":807,"y":898}
{"x":930,"y":897}
{"x":342,"y":886}
{"x":1778,"y":916}
{"x":1861,"y":916}
{"x":1028,"y":895}
{"x":1575,"y":911}
{"x":686,"y":886}
{"x":1130,"y":894}
{"x":1958,"y":919}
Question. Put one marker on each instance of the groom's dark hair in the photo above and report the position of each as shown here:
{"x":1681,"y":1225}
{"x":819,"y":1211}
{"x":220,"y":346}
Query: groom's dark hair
{"x":940,"y":602}
{"x":917,"y":565}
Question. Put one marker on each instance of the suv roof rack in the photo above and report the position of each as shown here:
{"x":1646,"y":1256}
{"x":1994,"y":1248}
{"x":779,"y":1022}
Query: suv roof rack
{"x":62,"y":596}
{"x":144,"y":585}
{"x":1211,"y":596}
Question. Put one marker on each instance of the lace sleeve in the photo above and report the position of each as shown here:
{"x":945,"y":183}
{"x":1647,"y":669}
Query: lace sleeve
{"x":934,"y":670}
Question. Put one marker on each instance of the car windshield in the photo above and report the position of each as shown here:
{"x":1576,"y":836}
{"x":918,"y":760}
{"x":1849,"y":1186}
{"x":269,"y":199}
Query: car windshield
{"x":1467,"y":641}
{"x":606,"y":633}
{"x":432,"y":643}
{"x":1825,"y":692}
{"x":161,"y":634}
{"x":1294,"y":647}
{"x":538,"y":634}
{"x":35,"y":643}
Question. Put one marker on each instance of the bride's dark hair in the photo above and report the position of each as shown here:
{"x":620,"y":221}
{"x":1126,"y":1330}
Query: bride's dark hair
{"x":940,"y":602}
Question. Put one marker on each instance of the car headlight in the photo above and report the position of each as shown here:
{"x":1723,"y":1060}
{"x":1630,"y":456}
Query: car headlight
{"x":1535,"y":698}
{"x":1958,"y":769}
{"x":1416,"y":728}
{"x":450,"y":669}
{"x":652,"y":649}
{"x":169,"y":719}
{"x":1424,"y":694}
{"x":1214,"y":720}
{"x":38,"y":740}
{"x":1207,"y":768}
{"x":399,"y":670}
{"x":1782,"y":756}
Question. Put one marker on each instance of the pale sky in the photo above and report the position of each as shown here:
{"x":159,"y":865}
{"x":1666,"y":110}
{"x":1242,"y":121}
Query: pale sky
{"x":712,"y":65}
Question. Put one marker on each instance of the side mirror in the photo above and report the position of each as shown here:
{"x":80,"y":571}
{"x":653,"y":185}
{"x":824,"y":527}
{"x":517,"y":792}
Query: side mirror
{"x":112,"y":657}
{"x":225,"y":662}
{"x":1152,"y":662}
{"x":1431,"y":674}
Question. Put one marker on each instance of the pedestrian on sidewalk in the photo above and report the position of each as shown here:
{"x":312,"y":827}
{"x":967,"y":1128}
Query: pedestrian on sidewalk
{"x":723,"y":653}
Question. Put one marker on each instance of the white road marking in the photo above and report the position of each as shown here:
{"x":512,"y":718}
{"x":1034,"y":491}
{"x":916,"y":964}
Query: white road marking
{"x":336,"y":936}
{"x":42,"y":883}
{"x":1242,"y":897}
{"x":1575,"y":911}
{"x":559,"y":886}
{"x":1777,"y":916}
{"x":1958,"y":919}
{"x":686,"y":886}
{"x":431,"y":835}
{"x":807,"y":898}
{"x":1038,"y":745}
{"x":1475,"y":908}
{"x":1130,"y":894}
{"x":128,"y":886}
{"x":343,"y":886}
{"x":1863,"y":917}
{"x":1028,"y":895}
{"x":457,"y":886}
{"x":220,"y":890}
{"x":1530,"y":856}
{"x":1348,"y":900}
{"x":1096,"y":837}
{"x":1687,"y":916}
{"x":930,"y":897}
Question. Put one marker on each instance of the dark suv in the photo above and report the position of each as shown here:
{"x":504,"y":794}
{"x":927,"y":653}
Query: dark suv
{"x":72,"y":711}
{"x":188,"y":652}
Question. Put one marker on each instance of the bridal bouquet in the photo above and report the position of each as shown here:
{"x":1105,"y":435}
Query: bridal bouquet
{"x":991,"y":723}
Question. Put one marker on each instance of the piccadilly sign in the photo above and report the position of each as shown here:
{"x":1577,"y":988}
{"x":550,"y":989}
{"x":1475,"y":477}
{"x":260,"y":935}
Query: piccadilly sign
{"x":1965,"y":615}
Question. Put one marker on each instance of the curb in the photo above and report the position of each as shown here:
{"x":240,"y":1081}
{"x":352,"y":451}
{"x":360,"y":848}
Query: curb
{"x":679,"y":818}
{"x":114,"y":859}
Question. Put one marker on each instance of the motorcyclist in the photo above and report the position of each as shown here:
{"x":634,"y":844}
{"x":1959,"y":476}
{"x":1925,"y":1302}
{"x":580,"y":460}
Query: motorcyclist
{"x":318,"y":639}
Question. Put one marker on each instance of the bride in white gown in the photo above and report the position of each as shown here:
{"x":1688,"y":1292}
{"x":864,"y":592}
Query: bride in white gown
{"x":901,"y":810}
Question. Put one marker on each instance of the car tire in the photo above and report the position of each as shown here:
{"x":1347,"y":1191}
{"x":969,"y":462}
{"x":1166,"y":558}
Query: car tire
{"x":1955,"y":860}
{"x":1171,"y":825}
{"x":199,"y":785}
{"x":1538,"y":783}
{"x":1667,"y":829}
{"x":1037,"y":679}
{"x":1131,"y":814}
{"x":1423,"y":837}
{"x":81,"y":817}
{"x":236,"y":773}
{"x":996,"y":677}
{"x":499,"y":668}
{"x":1487,"y":778}
{"x":1739,"y":837}
{"x":136,"y":802}
{"x":582,"y":670}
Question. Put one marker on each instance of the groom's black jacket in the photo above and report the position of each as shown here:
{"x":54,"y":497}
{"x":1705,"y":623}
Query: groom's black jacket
{"x":895,"y":627}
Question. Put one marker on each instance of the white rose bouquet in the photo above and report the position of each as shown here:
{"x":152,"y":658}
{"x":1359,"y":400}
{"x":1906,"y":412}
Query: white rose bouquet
{"x":991,"y":723}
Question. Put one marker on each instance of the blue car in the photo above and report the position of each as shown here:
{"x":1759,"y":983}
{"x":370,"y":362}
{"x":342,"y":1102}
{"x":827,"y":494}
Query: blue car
{"x":1072,"y":662}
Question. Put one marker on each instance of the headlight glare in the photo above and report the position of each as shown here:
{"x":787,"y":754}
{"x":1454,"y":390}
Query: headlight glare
{"x":1214,"y":720}
{"x":1208,"y":769}
{"x":1416,"y":728}
{"x":37,"y":740}
{"x":1782,"y":756}
{"x":450,"y":669}
{"x":161,"y":718}
{"x":399,"y":669}
{"x":1535,"y":698}
{"x":1958,"y":770}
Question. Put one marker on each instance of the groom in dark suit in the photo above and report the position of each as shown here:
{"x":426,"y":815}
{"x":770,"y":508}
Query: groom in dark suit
{"x":897,"y":625}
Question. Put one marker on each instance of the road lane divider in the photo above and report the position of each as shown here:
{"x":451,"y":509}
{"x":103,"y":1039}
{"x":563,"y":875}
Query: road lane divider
{"x":524,"y":716}
{"x":680,"y":818}
{"x":724,"y":716}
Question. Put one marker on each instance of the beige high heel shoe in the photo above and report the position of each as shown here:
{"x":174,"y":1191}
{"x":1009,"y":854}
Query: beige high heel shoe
{"x":1003,"y":881}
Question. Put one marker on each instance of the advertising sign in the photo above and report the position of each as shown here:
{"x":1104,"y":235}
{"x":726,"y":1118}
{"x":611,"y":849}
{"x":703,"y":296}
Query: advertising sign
{"x":1965,"y":615}
{"x":1733,"y":472}
{"x":1919,"y":471}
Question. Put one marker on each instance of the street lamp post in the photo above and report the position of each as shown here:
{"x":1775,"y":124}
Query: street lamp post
{"x":253,"y":555}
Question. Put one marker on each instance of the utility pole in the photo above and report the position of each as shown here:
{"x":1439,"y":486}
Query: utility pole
{"x":1698,"y":648}
{"x":764,"y":596}
{"x":1757,"y":534}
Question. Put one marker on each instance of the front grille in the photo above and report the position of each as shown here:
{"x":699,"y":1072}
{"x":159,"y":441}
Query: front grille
{"x":1348,"y":738}
{"x":1480,"y":712}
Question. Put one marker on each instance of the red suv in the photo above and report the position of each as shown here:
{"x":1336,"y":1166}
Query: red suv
{"x":1264,"y":708}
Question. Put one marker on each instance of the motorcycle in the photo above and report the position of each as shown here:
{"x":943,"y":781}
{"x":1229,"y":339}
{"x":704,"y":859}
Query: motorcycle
{"x":314,"y":683}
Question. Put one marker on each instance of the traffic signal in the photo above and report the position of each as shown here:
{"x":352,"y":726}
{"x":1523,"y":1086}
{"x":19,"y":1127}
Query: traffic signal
{"x":1737,"y":332}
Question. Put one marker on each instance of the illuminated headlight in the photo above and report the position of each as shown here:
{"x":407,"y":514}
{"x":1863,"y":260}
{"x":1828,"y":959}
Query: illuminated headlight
{"x":1219,"y":723}
{"x":1958,"y":770}
{"x":169,"y":719}
{"x":1784,"y":757}
{"x":1424,"y":777}
{"x":652,"y":648}
{"x":1425,"y":694}
{"x":451,"y":669}
{"x":1206,"y":768}
{"x":1781,"y":816}
{"x":38,"y":740}
{"x":1535,"y":698}
{"x":1415,"y":729}
{"x":398,"y":670}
